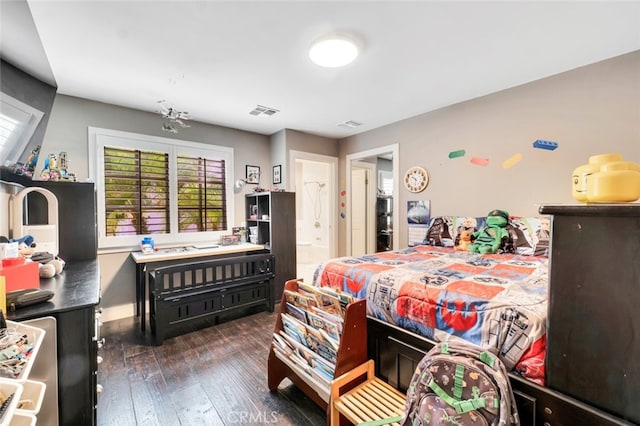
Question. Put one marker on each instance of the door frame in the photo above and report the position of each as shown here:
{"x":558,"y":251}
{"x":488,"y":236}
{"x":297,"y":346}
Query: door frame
{"x":332,"y":186}
{"x":394,"y":149}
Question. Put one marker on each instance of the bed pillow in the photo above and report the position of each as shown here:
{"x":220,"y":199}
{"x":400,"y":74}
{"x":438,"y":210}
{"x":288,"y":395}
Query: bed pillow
{"x":439,"y":232}
{"x":530,"y":235}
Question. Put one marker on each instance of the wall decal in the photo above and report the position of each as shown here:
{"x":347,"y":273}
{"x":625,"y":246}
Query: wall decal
{"x":456,"y":154}
{"x":478,"y":161}
{"x":542,"y":144}
{"x":512,"y":161}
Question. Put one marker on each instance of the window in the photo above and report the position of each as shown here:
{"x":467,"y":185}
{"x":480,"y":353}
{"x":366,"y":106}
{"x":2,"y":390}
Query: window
{"x":18,"y":121}
{"x":201,"y":195}
{"x":175,"y":191}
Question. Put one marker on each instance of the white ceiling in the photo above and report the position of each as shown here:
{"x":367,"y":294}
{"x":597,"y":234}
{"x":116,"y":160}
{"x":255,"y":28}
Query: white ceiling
{"x":218,"y":60}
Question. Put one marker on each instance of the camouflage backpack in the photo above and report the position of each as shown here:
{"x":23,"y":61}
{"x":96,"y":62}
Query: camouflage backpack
{"x":458,"y":383}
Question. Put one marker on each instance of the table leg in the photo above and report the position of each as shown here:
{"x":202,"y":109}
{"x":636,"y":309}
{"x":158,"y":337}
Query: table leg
{"x":139,"y":278}
{"x":141,"y":284}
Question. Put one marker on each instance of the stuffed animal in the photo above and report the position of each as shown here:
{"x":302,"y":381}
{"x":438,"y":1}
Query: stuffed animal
{"x":465,"y":240}
{"x":26,"y":245}
{"x":492,"y":237}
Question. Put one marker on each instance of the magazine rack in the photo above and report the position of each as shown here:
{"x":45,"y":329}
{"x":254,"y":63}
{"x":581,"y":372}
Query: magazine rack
{"x":351,"y":353}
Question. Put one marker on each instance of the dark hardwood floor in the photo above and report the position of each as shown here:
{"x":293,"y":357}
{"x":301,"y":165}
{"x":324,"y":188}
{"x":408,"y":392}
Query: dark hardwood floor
{"x":216,"y":375}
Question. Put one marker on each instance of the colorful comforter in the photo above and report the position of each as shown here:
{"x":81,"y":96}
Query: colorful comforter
{"x":495,"y":301}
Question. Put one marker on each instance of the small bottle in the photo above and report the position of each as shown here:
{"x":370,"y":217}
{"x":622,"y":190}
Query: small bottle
{"x":147,"y":245}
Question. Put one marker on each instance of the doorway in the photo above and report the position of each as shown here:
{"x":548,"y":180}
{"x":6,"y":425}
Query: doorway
{"x":363,"y":193}
{"x":315,"y":184}
{"x":357,"y":201}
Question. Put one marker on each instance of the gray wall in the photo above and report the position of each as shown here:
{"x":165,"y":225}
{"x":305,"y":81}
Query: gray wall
{"x":588,"y":111}
{"x":31,"y":91}
{"x":67,"y":131}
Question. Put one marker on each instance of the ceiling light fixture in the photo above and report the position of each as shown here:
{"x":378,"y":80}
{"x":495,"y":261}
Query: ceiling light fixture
{"x":333,"y":51}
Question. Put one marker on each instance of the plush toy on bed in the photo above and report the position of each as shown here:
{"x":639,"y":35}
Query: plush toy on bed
{"x":492,"y":237}
{"x":465,"y":240}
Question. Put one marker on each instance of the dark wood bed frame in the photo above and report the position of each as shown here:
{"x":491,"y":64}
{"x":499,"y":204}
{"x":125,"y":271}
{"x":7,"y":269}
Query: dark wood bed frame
{"x":396,"y":353}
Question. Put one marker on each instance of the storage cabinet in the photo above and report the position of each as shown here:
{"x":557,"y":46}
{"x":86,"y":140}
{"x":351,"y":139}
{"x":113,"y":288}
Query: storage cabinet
{"x":77,"y":227}
{"x":273,"y":215}
{"x":77,"y":294}
{"x":594,"y":295}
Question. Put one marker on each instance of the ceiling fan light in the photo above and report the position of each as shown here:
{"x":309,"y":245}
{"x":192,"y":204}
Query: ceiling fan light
{"x":333,"y":52}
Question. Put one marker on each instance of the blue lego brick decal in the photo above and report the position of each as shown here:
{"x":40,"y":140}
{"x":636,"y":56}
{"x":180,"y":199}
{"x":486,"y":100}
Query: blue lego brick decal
{"x":542,"y":144}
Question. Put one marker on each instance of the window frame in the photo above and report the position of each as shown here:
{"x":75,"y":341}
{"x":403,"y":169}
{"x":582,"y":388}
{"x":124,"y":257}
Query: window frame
{"x":27,"y":118}
{"x":98,"y":138}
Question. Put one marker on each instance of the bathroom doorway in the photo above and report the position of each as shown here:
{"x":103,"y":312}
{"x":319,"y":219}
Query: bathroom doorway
{"x":315,"y":185}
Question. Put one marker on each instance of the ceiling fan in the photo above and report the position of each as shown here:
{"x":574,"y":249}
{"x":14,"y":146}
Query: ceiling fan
{"x":172,"y":117}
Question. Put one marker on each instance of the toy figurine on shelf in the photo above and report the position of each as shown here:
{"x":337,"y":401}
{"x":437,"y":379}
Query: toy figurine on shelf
{"x":63,"y":166}
{"x":50,"y":170}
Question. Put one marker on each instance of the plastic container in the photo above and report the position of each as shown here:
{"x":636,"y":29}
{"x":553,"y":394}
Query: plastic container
{"x":8,"y":388}
{"x":32,"y":397}
{"x":35,"y":336}
{"x":23,"y":419}
{"x":147,"y":245}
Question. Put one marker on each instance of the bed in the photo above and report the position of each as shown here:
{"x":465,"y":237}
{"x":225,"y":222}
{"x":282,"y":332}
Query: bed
{"x":496,"y":301}
{"x":431,"y":292}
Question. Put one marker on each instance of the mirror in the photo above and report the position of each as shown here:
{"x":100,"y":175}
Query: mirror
{"x":372,"y":204}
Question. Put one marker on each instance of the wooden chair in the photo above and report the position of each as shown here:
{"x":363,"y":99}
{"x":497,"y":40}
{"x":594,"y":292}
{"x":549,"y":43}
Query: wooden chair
{"x":372,"y":401}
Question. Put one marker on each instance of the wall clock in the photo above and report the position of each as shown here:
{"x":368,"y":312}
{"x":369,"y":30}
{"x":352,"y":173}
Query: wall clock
{"x":416,"y":179}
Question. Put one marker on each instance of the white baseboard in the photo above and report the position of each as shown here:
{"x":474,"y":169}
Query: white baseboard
{"x":118,"y":312}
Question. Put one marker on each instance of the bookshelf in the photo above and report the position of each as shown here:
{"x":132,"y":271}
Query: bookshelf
{"x":351,"y":352}
{"x":273,"y":216}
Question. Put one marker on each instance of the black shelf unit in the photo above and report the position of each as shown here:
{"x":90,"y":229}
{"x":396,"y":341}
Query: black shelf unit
{"x":274,"y":215}
{"x":384,"y":223}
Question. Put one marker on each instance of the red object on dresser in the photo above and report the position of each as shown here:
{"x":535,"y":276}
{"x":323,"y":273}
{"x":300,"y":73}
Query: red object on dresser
{"x":20,"y":275}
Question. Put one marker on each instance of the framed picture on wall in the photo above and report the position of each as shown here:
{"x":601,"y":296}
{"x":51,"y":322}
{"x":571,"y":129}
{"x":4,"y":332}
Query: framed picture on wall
{"x":277,"y":170}
{"x":253,"y":174}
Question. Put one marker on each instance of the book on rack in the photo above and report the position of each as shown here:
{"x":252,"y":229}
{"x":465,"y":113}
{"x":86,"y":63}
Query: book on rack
{"x":296,"y":312}
{"x":294,"y":328}
{"x":300,"y":300}
{"x":330,"y":326}
{"x":328,"y":298}
{"x":317,"y":340}
{"x":310,"y":360}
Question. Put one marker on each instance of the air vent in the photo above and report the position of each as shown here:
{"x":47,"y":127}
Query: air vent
{"x":263,"y":110}
{"x":350,"y":124}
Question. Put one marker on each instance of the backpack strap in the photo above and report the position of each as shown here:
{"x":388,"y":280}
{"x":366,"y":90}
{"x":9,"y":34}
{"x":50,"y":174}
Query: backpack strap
{"x":487,"y":358}
{"x":461,"y":407}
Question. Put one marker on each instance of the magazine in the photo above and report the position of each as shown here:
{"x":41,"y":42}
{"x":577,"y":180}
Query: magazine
{"x":296,"y":312}
{"x":300,"y":300}
{"x":321,"y":323}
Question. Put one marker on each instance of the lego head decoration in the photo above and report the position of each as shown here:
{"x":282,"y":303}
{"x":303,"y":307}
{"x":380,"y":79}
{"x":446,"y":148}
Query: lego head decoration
{"x":492,"y":237}
{"x":606,"y":179}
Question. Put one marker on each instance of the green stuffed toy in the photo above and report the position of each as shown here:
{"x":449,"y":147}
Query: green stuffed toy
{"x":492,"y":237}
